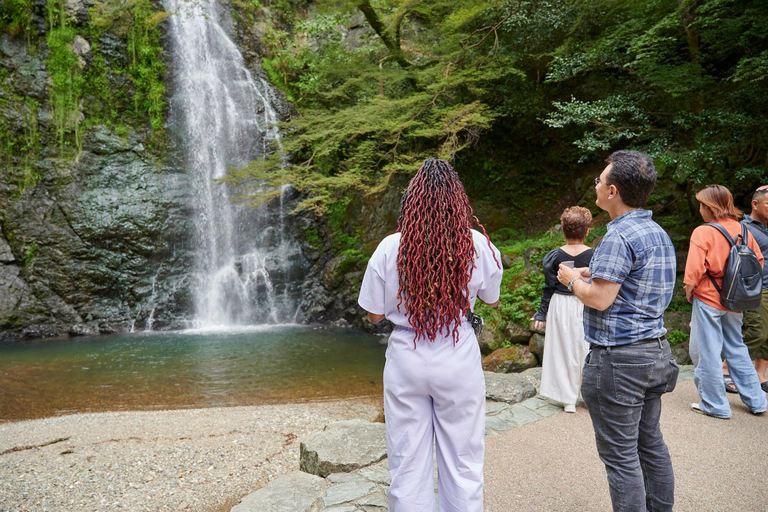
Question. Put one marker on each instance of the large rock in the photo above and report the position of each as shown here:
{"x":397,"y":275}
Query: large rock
{"x":677,"y":321}
{"x":6,"y":256}
{"x":536,"y":345}
{"x":533,"y":375}
{"x":294,"y":492}
{"x":517,"y":334}
{"x":680,"y":353}
{"x":342,"y":447}
{"x":511,"y":388}
{"x":510,"y":359}
{"x":488,"y":342}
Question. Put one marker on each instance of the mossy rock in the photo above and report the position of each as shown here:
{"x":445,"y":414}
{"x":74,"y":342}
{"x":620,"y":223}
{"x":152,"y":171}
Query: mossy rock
{"x":509,"y":360}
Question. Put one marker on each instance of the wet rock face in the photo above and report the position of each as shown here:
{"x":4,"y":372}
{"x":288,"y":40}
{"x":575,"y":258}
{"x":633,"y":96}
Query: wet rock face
{"x":98,"y":242}
{"x":96,"y":245}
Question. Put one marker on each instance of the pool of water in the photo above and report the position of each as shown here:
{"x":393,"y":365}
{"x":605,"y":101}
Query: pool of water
{"x":197,"y":368}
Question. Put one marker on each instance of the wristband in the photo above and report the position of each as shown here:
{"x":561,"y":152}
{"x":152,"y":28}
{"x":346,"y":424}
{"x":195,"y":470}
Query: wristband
{"x":573,"y":281}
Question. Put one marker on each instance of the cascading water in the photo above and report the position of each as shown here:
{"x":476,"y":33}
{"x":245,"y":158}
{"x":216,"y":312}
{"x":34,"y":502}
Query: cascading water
{"x":247,"y":267}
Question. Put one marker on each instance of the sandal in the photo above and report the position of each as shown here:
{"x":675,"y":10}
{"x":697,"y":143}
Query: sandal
{"x":730,"y":387}
{"x":764,"y":385}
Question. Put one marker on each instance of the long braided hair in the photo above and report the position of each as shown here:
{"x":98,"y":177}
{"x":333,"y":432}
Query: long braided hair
{"x":436,"y":256}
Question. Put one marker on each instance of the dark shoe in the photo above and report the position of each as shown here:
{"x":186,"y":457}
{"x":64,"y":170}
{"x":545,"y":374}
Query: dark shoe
{"x":695,"y":408}
{"x":730,"y":387}
{"x":764,"y":385}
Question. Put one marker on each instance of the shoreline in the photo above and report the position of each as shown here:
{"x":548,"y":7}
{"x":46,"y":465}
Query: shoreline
{"x":160,"y":460}
{"x":169,"y":408}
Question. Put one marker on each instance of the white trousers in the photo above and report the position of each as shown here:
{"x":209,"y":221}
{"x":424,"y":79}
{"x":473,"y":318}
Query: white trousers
{"x":435,"y":392}
{"x":564,"y":350}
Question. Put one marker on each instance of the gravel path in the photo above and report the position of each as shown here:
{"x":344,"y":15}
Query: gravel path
{"x":204,"y":460}
{"x":552,"y":465}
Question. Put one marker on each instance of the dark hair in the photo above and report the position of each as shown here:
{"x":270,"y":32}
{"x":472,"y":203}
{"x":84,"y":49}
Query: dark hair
{"x":575,"y":221}
{"x":719,"y":201}
{"x":436,"y":254}
{"x":633,"y":175}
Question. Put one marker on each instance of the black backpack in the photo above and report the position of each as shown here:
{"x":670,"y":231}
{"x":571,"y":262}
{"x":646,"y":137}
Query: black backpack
{"x":743,"y":278}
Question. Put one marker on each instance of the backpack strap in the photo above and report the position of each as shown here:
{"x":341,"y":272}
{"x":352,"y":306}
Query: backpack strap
{"x":731,"y":241}
{"x":744,"y":235}
{"x":725,"y":233}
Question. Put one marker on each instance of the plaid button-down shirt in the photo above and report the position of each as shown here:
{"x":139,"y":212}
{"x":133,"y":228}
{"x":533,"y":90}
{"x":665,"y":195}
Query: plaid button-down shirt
{"x":638,"y":254}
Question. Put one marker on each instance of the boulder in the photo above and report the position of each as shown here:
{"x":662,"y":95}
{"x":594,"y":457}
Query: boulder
{"x":6,"y":255}
{"x":342,"y":447}
{"x":488,"y":342}
{"x":508,"y":360}
{"x":677,"y":321}
{"x":680,"y":353}
{"x":294,"y":492}
{"x":533,"y":375}
{"x":510,"y":388}
{"x":517,"y":334}
{"x":536,"y":345}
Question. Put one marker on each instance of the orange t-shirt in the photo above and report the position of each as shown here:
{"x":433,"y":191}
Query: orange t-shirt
{"x":709,"y":251}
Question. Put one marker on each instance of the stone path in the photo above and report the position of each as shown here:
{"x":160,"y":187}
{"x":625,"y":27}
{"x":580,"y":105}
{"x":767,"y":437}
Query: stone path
{"x":366,"y":489}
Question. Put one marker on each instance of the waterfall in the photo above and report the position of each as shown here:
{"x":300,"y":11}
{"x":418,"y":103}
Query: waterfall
{"x":247,"y":269}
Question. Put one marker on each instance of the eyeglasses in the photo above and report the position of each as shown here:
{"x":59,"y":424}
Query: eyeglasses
{"x":597,"y":181}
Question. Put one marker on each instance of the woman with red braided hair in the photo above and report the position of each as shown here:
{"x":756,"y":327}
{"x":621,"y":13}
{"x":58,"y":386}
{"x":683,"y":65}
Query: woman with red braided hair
{"x":425,"y":279}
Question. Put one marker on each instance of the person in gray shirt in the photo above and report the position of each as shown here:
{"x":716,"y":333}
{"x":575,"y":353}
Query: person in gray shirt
{"x":755,"y":330}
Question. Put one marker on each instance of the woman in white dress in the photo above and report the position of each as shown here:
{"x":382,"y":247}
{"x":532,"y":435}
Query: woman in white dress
{"x":425,"y":279}
{"x":562,"y":314}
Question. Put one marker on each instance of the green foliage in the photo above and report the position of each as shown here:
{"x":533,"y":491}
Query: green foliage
{"x":375,"y":109}
{"x":16,"y":18}
{"x":687,"y":85}
{"x":137,"y":22}
{"x":517,"y":94}
{"x":341,"y":241}
{"x":64,"y":70}
{"x":29,"y":255}
{"x":677,"y":336}
{"x":312,"y":237}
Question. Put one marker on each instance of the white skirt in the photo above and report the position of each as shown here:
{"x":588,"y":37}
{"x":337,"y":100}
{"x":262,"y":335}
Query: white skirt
{"x":564,"y":349}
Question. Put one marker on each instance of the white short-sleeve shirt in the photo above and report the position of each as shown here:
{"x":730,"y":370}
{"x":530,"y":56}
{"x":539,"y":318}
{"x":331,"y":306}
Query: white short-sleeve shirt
{"x":378,"y":294}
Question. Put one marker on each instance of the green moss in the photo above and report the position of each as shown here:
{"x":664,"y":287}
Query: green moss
{"x":336,"y":217}
{"x":312,"y":236}
{"x":16,"y":18}
{"x":677,"y":336}
{"x":29,"y":255}
{"x":67,"y":77}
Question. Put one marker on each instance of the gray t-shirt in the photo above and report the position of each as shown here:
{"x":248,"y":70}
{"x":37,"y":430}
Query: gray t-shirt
{"x":760,"y":231}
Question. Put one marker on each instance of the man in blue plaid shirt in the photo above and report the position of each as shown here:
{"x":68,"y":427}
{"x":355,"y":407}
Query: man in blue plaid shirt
{"x":625,"y":291}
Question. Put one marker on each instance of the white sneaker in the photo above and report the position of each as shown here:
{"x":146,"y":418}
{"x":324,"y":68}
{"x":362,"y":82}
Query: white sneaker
{"x":569,"y":408}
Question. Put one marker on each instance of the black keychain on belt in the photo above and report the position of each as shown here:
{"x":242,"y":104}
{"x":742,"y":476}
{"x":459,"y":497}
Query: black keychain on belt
{"x":476,"y":321}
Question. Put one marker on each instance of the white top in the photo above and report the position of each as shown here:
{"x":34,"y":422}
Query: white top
{"x":378,"y":294}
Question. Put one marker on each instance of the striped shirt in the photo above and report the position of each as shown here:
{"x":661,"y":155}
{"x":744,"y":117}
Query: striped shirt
{"x":638,"y":254}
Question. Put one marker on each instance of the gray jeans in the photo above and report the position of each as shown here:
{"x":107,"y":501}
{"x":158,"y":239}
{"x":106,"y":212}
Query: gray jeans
{"x":622,"y":387}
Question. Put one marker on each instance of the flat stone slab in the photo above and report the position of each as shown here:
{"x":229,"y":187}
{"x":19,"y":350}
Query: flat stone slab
{"x":343,"y":447}
{"x":510,"y":388}
{"x":294,"y":492}
{"x":350,"y":491}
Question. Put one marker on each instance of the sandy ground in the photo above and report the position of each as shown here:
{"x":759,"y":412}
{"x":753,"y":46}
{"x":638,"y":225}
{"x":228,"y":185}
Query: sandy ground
{"x":208,"y":459}
{"x":552,"y":465}
{"x":204,"y":460}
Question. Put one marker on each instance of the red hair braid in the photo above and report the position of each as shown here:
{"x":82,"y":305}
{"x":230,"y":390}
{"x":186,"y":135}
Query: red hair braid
{"x":436,"y":256}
